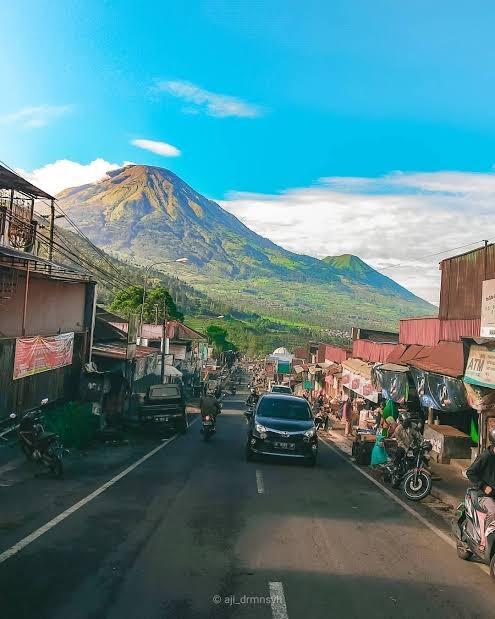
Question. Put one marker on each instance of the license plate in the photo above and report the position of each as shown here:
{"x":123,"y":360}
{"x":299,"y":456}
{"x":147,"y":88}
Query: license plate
{"x":160,"y":419}
{"x":207,"y":423}
{"x":284,"y":445}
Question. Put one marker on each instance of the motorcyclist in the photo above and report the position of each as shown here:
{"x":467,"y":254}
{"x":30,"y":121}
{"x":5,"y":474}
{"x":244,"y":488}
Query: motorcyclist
{"x":406,"y":436}
{"x":253,"y":397}
{"x":482,"y":474}
{"x":209,"y":405}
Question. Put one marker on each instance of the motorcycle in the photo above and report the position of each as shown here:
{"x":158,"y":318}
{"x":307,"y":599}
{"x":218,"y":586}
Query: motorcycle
{"x":38,"y":445}
{"x":208,"y":427}
{"x":411,"y":472}
{"x":468,"y":526}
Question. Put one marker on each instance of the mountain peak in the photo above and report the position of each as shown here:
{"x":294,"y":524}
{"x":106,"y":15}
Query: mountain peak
{"x":348,"y":263}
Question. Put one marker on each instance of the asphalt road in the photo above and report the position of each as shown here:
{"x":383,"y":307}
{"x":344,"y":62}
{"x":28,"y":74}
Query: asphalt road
{"x":195,"y":521}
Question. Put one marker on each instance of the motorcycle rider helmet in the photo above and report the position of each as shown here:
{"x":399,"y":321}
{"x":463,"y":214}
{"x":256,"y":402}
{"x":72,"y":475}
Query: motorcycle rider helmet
{"x":405,"y":420}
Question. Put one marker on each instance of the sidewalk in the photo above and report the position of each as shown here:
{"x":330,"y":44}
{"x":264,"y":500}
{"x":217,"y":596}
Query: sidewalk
{"x":449,"y":488}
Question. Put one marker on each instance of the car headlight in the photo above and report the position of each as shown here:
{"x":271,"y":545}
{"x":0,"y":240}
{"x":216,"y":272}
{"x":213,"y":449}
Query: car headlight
{"x":260,"y":429}
{"x":310,"y":433}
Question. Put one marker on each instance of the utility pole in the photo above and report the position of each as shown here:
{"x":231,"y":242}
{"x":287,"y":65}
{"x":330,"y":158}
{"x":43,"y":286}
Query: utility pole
{"x":164,"y":338}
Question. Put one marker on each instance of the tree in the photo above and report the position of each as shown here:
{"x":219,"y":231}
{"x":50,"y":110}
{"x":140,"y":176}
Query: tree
{"x":129,"y":301}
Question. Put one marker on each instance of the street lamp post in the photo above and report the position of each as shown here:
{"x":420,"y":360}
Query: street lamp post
{"x":146,"y":273}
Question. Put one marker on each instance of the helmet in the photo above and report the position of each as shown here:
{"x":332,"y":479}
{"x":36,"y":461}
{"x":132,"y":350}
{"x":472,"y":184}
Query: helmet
{"x":405,"y":420}
{"x":491,"y":436}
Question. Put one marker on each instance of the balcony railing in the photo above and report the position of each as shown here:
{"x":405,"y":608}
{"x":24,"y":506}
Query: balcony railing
{"x":17,"y":227}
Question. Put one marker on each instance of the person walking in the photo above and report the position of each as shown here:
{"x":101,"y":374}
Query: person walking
{"x":347,"y":416}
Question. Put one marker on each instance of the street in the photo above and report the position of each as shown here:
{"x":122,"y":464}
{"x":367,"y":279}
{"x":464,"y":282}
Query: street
{"x":195,"y":531}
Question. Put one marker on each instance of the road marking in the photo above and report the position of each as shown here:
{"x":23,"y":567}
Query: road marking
{"x":259,"y":482}
{"x":279,"y":607}
{"x":10,"y":552}
{"x":12,"y":464}
{"x":448,"y":540}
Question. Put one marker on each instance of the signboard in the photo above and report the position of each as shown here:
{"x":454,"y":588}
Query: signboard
{"x":488,"y":309}
{"x":283,"y":367}
{"x":359,"y":384}
{"x":40,"y":354}
{"x":270,"y":369}
{"x":480,"y":369}
{"x":442,"y":393}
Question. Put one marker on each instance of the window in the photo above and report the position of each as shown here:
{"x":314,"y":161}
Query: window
{"x":287,"y":408}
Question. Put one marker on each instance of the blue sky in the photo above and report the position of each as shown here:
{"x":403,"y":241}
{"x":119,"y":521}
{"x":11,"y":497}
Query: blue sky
{"x":260,"y":97}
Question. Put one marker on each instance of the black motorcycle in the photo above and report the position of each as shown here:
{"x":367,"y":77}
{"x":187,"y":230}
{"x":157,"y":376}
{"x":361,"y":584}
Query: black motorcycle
{"x":411,"y":472}
{"x":39,"y":446}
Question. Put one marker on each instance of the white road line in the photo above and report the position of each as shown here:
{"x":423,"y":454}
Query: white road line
{"x":12,"y":464}
{"x":279,"y":607}
{"x":65,"y":514}
{"x":405,"y":506}
{"x":259,"y":482}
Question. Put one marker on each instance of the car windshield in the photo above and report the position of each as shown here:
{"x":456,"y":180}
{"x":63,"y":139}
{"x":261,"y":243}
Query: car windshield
{"x":160,"y":392}
{"x":287,"y":408}
{"x":280,"y":389}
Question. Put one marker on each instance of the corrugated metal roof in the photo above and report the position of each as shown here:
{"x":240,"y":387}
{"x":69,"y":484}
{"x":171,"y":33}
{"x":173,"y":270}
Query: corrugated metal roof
{"x":11,"y":180}
{"x":431,"y":331}
{"x":462,"y":279}
{"x":337,"y":354}
{"x":175,"y":330}
{"x":372,"y":351}
{"x":446,"y":358}
{"x":118,"y":350}
{"x":358,"y":367}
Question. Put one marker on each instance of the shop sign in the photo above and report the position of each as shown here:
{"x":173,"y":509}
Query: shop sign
{"x":443,"y":393}
{"x":34,"y":355}
{"x":359,"y":384}
{"x":480,"y":368}
{"x":488,"y":309}
{"x":283,"y":367}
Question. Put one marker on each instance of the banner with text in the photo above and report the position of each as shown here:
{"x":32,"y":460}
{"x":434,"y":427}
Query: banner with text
{"x":40,"y":354}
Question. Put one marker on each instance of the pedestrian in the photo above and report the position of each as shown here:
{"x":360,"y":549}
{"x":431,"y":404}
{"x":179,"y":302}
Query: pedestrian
{"x":347,"y":415}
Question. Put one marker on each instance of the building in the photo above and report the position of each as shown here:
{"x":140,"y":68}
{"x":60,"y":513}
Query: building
{"x":46,"y":309}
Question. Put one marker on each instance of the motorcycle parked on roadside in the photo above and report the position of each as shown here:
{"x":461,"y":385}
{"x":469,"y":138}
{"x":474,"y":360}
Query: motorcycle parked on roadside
{"x":475,"y":536}
{"x":411,"y":473}
{"x":40,"y":446}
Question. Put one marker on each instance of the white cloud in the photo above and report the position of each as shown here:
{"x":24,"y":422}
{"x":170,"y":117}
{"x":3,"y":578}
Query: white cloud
{"x":36,"y":116}
{"x":394,"y":222}
{"x":211,"y":103}
{"x":159,"y":148}
{"x":64,"y":173}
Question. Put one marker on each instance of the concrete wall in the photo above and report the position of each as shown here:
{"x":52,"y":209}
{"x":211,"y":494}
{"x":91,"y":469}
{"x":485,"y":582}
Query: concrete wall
{"x":52,"y":307}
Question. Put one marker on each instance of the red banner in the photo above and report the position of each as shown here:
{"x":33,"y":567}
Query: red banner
{"x":39,"y":354}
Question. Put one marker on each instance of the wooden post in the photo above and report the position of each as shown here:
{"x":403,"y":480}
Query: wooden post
{"x":52,"y":228}
{"x":430,"y":416}
{"x":26,"y":292}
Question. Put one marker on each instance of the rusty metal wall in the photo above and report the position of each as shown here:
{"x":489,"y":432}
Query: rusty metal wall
{"x":462,"y":278}
{"x":26,"y":393}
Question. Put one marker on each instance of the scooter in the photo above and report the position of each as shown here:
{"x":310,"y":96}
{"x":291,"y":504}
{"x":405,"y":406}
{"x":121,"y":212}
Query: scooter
{"x":468,"y":527}
{"x":40,"y":446}
{"x":411,"y":473}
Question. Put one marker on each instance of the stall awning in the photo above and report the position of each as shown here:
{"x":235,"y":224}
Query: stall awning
{"x":170,"y":370}
{"x":298,"y":369}
{"x":358,"y":367}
